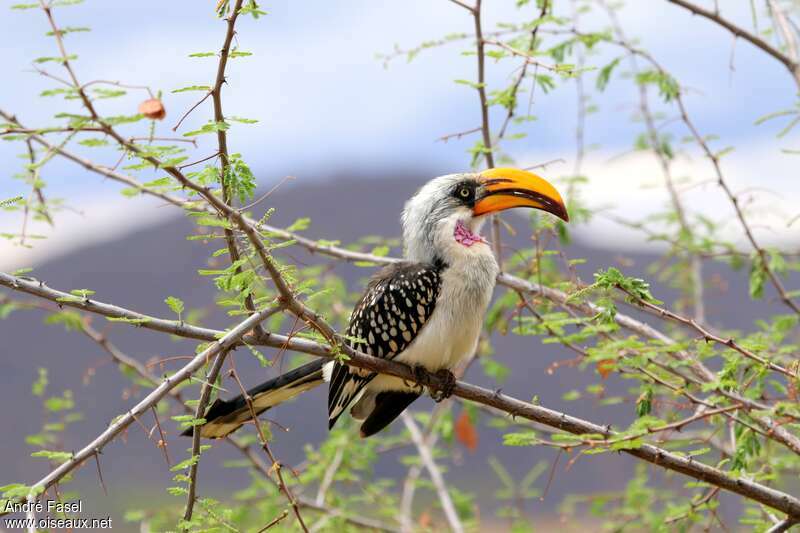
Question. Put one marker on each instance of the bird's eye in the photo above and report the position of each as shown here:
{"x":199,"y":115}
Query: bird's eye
{"x":464,"y":192}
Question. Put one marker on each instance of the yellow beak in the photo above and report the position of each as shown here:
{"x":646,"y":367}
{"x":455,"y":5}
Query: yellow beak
{"x":505,"y":188}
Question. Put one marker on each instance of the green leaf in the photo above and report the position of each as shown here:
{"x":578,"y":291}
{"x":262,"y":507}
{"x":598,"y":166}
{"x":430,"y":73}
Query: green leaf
{"x":243,"y":120}
{"x":93,"y":142}
{"x":69,"y":29}
{"x":10,"y":201}
{"x":49,"y":59}
{"x":204,"y":88}
{"x":571,"y":396}
{"x":301,"y":224}
{"x":613,"y":278}
{"x":758,"y":276}
{"x":604,"y":76}
{"x":56,"y":404}
{"x":55,"y":456}
{"x":380,"y":251}
{"x":109,"y":93}
{"x":183,"y":465}
{"x":210,"y":127}
{"x":82,"y":293}
{"x":40,"y":384}
{"x":176,"y":304}
{"x":470,"y":84}
{"x":71,"y":320}
{"x":668,"y":88}
{"x":239,"y":179}
{"x":644,"y":404}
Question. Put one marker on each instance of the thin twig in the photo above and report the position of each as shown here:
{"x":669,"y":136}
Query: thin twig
{"x":791,"y":65}
{"x":205,"y":395}
{"x":486,"y":130}
{"x":522,"y":72}
{"x":276,"y":465}
{"x":695,"y":272}
{"x":123,"y":421}
{"x":330,"y":474}
{"x":275,"y":521}
{"x":709,"y":336}
{"x":784,"y":525}
{"x":436,"y":475}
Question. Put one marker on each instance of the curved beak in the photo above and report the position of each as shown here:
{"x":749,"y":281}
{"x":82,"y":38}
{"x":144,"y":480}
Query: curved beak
{"x":505,"y":188}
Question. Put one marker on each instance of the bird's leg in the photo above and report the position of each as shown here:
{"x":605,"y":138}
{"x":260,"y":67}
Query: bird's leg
{"x":448,"y":384}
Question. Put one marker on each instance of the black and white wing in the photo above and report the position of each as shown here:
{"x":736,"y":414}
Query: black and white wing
{"x":398,"y":301}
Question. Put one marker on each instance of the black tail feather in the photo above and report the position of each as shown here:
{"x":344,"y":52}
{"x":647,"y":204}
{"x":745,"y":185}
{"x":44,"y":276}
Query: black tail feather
{"x":388,"y":406}
{"x":226,"y":416}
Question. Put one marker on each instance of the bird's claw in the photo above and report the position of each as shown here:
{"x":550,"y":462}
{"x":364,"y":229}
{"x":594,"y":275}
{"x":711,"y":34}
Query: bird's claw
{"x":419,"y":376}
{"x":448,"y":385}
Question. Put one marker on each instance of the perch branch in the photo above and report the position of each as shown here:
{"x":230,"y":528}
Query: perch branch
{"x":686,"y":465}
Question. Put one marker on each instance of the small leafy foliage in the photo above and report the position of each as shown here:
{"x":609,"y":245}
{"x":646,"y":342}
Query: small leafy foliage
{"x":239,"y":179}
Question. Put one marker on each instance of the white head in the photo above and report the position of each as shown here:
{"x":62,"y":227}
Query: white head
{"x":443,"y":219}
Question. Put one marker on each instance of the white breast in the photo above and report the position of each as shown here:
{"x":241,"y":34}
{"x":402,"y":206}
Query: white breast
{"x":451,"y":333}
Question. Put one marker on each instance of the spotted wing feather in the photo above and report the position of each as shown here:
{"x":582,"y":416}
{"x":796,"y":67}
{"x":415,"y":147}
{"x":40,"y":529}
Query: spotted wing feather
{"x":395,"y":307}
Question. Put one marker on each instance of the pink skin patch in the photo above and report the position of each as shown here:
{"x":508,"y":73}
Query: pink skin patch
{"x":464,"y":236}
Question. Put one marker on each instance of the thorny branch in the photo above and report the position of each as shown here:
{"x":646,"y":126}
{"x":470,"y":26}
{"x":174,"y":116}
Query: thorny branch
{"x":277,"y":467}
{"x":245,"y":449}
{"x":668,"y":460}
{"x":486,"y":129}
{"x":791,"y":64}
{"x":696,"y":266}
{"x":202,"y":403}
{"x":523,"y":72}
{"x":119,"y":425}
{"x":252,"y":334}
{"x":222,"y":140}
{"x":763,"y":261}
{"x":709,"y":336}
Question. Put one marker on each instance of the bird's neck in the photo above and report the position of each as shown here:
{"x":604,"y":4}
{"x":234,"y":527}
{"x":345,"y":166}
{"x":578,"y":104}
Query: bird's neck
{"x":454,"y":244}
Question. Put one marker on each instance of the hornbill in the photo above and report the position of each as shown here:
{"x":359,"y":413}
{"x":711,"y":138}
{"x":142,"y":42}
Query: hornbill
{"x":426,"y":311}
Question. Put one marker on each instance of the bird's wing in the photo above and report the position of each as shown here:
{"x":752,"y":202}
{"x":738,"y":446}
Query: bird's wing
{"x":391,"y":313}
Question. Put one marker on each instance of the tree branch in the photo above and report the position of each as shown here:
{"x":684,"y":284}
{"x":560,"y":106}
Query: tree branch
{"x":486,"y":131}
{"x":433,"y":469}
{"x":246,"y":451}
{"x":205,"y":395}
{"x":668,"y":460}
{"x":791,"y":66}
{"x":227,"y":341}
{"x":222,"y":142}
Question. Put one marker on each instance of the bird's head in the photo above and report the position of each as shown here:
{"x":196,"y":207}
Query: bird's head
{"x":445,"y":216}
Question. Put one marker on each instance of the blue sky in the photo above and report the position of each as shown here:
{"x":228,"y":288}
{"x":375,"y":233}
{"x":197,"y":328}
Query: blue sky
{"x":326,"y":103}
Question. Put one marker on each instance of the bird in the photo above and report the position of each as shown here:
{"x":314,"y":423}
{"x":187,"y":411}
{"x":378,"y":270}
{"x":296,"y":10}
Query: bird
{"x":426,"y":311}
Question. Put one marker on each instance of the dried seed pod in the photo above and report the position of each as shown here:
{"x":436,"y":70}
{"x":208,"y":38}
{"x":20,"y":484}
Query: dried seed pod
{"x":153,"y":109}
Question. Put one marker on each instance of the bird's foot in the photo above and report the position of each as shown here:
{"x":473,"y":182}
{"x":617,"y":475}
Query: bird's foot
{"x":448,"y":385}
{"x":420,"y":374}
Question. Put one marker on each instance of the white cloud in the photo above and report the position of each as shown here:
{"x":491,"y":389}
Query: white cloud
{"x":632,"y":187}
{"x":95,"y":220}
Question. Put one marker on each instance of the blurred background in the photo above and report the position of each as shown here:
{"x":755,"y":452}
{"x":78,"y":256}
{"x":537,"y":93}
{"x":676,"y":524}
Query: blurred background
{"x":358,"y":134}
